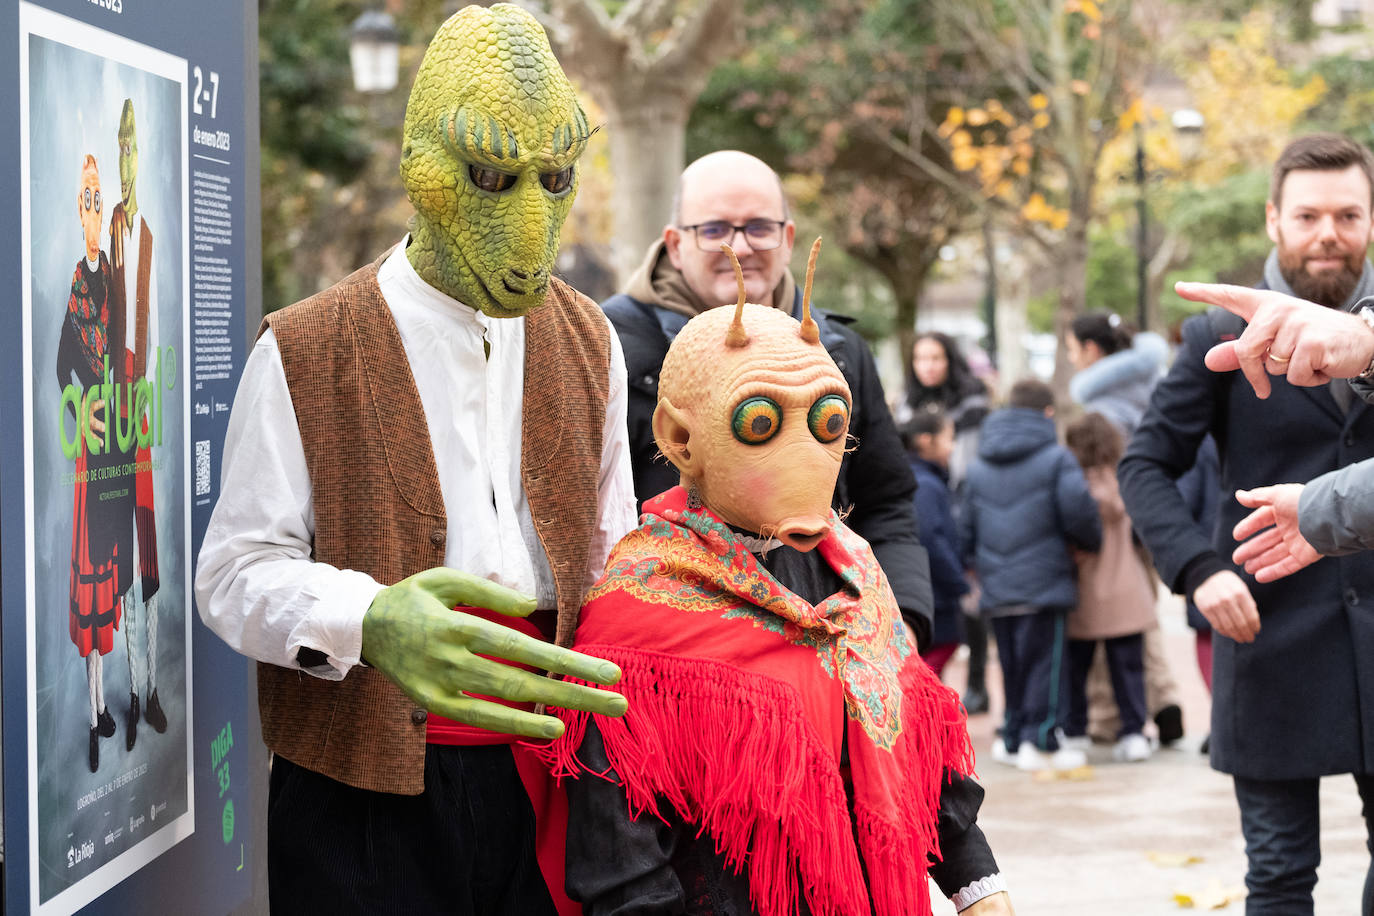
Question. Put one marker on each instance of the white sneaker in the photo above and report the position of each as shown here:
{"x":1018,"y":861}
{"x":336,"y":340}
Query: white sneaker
{"x":1068,"y":758}
{"x":1030,"y":759}
{"x":1133,"y":748}
{"x":1077,"y":742}
{"x":1001,"y":755}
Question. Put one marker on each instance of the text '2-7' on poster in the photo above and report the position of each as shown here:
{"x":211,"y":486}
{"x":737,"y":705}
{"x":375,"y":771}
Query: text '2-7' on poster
{"x":105,"y":263}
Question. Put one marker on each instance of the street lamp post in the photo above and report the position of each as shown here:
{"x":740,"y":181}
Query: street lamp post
{"x":1141,"y":231}
{"x":1187,"y":124}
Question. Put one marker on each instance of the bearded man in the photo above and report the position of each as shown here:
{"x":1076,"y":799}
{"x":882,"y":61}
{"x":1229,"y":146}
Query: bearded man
{"x":1293,"y":660}
{"x":444,"y":427}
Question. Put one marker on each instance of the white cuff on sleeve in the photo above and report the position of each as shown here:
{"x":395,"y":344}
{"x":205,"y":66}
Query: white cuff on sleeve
{"x":983,"y":887}
{"x":335,"y":624}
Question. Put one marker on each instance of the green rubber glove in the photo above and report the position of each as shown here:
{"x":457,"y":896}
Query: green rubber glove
{"x":412,"y":634}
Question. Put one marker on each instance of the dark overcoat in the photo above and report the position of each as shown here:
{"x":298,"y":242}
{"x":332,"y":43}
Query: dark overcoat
{"x":1298,"y":702}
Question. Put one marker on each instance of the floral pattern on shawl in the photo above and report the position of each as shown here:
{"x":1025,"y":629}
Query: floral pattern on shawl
{"x":675,"y":557}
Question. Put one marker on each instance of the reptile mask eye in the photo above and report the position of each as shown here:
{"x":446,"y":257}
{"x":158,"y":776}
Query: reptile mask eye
{"x":490,"y":180}
{"x":557,"y":183}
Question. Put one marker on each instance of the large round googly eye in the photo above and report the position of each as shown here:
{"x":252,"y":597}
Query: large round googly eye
{"x":490,"y":179}
{"x":757,"y":420}
{"x":828,"y":418}
{"x":557,"y":182}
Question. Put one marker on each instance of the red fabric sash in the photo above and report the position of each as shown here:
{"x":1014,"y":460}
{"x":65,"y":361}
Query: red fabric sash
{"x":741,"y":695}
{"x":442,"y":730}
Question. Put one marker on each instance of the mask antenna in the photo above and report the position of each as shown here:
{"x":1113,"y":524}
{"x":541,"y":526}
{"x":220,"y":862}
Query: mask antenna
{"x":810,"y":331}
{"x":736,"y":336}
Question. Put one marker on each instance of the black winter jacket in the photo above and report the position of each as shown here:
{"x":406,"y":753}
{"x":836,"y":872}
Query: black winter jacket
{"x":1025,"y":504}
{"x":875,"y":483}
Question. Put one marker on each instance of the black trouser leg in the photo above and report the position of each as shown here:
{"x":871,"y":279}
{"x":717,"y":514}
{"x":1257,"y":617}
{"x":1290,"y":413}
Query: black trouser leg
{"x":465,"y":846}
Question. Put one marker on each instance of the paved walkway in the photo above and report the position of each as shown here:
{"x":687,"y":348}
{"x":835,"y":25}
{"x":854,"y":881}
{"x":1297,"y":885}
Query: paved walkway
{"x":1074,"y":848}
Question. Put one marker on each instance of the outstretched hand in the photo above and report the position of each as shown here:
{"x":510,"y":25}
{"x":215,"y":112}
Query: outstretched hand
{"x":1271,"y":544}
{"x":412,"y":634}
{"x":1308,"y":343}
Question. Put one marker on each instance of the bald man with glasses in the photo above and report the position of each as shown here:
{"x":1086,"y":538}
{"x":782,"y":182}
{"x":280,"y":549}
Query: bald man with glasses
{"x":733,"y":198}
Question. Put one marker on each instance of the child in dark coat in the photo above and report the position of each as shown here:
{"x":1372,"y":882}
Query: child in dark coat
{"x":929,"y":439}
{"x":1025,"y":506}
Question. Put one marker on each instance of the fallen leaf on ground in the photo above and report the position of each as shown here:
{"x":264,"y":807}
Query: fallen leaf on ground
{"x":1213,"y":897}
{"x":1077,"y":774}
{"x":1172,"y":859}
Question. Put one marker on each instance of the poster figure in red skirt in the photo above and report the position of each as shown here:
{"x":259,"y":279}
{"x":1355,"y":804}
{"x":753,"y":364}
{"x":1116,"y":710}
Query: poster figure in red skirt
{"x":83,"y":363}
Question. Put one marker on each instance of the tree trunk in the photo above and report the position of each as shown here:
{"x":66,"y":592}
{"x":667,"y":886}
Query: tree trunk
{"x":646,"y":137}
{"x":1071,"y":261}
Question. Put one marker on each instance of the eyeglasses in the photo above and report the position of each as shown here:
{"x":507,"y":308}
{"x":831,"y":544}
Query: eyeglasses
{"x":761,"y":234}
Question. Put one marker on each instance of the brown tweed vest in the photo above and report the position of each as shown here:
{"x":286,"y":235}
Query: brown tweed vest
{"x":379,"y":510}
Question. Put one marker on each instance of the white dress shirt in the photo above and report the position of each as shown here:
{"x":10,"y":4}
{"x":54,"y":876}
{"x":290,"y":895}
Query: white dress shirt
{"x":256,"y":584}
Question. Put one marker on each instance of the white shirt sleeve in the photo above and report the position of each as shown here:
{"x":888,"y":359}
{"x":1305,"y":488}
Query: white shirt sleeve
{"x":616,"y":514}
{"x":256,"y":584}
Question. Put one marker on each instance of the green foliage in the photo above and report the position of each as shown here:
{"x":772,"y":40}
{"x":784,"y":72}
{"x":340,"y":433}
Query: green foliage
{"x":306,"y":86}
{"x":1348,"y":106}
{"x":826,"y":92}
{"x":1224,"y":227}
{"x":1111,"y":272}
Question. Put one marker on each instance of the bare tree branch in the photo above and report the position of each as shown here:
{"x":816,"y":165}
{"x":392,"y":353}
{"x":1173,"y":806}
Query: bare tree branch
{"x":644,"y":17}
{"x":700,"y":41}
{"x":587,"y":46}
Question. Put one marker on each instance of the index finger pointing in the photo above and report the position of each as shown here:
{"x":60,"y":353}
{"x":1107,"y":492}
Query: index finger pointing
{"x":1239,"y":300}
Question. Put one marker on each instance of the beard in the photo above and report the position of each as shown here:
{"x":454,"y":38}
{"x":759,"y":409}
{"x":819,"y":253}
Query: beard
{"x":1328,"y":287}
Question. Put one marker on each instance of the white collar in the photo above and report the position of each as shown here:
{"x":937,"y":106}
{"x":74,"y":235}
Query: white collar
{"x":397,"y":271}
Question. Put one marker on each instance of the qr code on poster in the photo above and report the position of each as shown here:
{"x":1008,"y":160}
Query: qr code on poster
{"x":202,"y":467}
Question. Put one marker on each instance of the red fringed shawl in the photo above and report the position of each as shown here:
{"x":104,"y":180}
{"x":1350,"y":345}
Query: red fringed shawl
{"x":741,"y":696}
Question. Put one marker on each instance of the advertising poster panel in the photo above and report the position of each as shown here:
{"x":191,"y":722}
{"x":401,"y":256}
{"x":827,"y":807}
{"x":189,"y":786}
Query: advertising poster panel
{"x":105,"y":338}
{"x":129,"y":729}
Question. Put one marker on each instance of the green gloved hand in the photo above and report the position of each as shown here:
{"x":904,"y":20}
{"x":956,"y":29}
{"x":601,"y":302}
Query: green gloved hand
{"x":412,"y":634}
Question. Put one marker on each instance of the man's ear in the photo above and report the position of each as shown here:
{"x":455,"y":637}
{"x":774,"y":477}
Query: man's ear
{"x":1271,"y":221}
{"x":672,"y":243}
{"x":672,"y":435}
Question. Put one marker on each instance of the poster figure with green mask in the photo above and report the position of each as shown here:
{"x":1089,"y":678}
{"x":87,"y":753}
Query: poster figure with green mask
{"x":133,"y":327}
{"x":424,"y":470}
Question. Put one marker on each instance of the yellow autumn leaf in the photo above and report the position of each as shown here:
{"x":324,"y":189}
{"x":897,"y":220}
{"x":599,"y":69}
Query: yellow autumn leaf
{"x":1041,"y":120}
{"x":977,"y":117}
{"x":1039,"y":101}
{"x":1021,"y":167}
{"x":1091,"y":10}
{"x":955,"y":116}
{"x":963,"y":158}
{"x":1173,"y":859}
{"x":960,"y":138}
{"x":1212,"y":897}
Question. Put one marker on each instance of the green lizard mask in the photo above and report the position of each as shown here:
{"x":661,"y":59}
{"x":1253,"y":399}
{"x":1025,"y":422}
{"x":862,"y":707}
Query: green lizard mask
{"x":492,"y":133}
{"x":128,"y":157}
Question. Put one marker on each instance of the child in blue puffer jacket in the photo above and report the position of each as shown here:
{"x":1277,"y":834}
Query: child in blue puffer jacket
{"x":1025,"y":506}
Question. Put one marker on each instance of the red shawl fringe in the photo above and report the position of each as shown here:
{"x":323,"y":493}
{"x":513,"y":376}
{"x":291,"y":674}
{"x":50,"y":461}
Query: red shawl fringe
{"x":732,"y":752}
